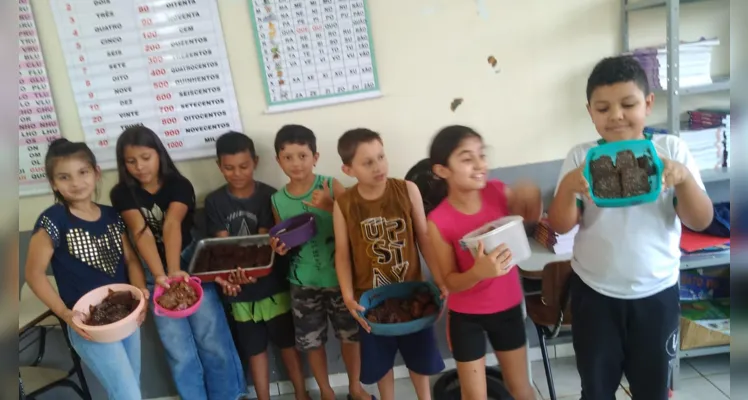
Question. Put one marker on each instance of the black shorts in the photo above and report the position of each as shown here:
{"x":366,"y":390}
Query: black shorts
{"x":253,"y":337}
{"x":467,"y":333}
{"x":613,"y":337}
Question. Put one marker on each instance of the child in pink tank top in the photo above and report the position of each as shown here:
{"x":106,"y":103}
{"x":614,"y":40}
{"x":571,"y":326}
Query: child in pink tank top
{"x":485,"y":292}
{"x":489,"y":295}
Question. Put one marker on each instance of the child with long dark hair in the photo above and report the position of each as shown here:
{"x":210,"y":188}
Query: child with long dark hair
{"x":157,"y":204}
{"x":485,"y":292}
{"x":88,"y":247}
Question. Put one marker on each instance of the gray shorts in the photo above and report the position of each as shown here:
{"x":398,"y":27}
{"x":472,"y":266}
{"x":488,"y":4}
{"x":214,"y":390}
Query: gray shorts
{"x":312,"y":307}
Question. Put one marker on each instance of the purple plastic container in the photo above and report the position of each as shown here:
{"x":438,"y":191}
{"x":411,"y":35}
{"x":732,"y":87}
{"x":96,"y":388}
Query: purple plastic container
{"x":295,"y":231}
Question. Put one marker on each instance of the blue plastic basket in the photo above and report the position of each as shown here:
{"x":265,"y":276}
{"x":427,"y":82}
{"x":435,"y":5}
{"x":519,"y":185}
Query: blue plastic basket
{"x":640,"y":148}
{"x":374,"y":297}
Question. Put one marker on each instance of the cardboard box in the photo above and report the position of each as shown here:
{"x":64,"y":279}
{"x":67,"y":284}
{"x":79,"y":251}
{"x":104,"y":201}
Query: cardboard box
{"x":704,"y":324}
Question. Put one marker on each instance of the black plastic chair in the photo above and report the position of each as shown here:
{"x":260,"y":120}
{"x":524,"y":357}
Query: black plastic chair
{"x":550,"y":316}
{"x":81,"y":388}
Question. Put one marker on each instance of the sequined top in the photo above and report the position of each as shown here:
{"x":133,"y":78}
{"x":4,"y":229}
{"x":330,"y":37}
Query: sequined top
{"x":87,"y":254}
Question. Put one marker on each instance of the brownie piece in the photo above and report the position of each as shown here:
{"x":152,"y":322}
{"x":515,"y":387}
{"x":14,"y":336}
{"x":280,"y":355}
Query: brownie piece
{"x":634,"y":182}
{"x":625,"y":159}
{"x":602,"y":166}
{"x":607,"y":186}
{"x":646,"y":164}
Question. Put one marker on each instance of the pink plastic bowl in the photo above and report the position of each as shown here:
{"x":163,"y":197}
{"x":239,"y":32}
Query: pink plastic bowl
{"x":196,"y":284}
{"x":112,"y":332}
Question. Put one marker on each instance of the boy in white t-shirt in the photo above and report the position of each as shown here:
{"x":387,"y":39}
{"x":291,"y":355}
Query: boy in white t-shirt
{"x":624,"y":295}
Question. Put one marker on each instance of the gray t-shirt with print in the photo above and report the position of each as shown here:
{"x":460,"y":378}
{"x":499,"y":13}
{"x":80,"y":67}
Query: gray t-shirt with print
{"x":239,"y":216}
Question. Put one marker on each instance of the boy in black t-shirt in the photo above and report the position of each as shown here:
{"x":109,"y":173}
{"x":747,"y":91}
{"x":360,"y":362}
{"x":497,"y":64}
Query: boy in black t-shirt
{"x":261,"y":307}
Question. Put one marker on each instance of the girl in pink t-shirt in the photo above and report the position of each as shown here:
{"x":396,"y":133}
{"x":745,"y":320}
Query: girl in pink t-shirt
{"x":485,"y":292}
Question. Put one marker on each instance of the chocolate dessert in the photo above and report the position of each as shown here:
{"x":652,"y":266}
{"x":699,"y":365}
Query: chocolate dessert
{"x":419,"y":305}
{"x":227,"y":257}
{"x":634,"y":182}
{"x":646,"y":164}
{"x":607,"y":186}
{"x":625,"y":159}
{"x":179,"y":296}
{"x":627,"y":178}
{"x":114,"y":307}
{"x":602,"y":166}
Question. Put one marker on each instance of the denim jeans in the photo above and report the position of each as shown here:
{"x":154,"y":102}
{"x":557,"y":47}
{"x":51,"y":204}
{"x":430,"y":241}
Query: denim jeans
{"x":116,"y":365}
{"x":200,"y":349}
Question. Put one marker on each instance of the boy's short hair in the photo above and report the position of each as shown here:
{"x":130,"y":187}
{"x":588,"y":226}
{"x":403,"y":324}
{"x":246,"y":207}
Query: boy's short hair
{"x":233,"y":142}
{"x":295,"y":134}
{"x":619,"y":69}
{"x":349,"y":142}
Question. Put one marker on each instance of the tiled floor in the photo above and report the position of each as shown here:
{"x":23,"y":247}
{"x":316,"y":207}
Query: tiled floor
{"x":704,"y":378}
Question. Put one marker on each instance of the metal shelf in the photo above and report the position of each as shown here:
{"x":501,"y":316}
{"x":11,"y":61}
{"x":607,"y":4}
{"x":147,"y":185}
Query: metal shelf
{"x":715,"y":175}
{"x":647,"y":4}
{"x":704,"y":351}
{"x":719,"y":84}
{"x":705,"y":260}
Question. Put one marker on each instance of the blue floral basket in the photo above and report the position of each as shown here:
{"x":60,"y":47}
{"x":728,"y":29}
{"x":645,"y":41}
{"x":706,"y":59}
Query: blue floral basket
{"x":377,"y":296}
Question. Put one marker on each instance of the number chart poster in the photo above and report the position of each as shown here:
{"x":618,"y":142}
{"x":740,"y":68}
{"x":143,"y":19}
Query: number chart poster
{"x":161,"y":64}
{"x":37,"y":120}
{"x":314,"y":52}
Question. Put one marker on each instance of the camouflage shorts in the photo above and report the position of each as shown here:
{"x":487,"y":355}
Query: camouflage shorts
{"x":312,"y":308}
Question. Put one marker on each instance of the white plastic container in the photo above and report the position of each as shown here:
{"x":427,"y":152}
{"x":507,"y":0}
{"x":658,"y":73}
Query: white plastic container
{"x":507,"y":230}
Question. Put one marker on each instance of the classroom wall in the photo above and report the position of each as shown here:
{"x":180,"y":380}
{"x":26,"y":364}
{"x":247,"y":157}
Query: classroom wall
{"x":429,"y":52}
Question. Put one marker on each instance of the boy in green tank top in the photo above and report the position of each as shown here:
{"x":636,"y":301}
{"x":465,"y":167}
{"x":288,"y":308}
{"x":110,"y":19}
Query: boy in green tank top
{"x":315,"y":292}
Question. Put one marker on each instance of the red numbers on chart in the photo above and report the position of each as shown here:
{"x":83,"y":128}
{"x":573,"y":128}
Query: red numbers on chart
{"x":146,"y":22}
{"x":90,"y":95}
{"x":163,"y":96}
{"x":171,"y":132}
{"x":166,"y":109}
{"x":100,"y":131}
{"x":144,"y":9}
{"x":169,"y":121}
{"x":94,"y":107}
{"x":152,"y":47}
{"x":103,"y":143}
{"x":97,"y":119}
{"x":175,"y":144}
{"x":161,"y":85}
{"x":158,"y":72}
{"x":150,"y":35}
{"x":155,"y":59}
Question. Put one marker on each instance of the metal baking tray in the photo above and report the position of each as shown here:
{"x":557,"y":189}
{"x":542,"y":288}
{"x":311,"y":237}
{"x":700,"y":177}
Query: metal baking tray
{"x":257,"y":260}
